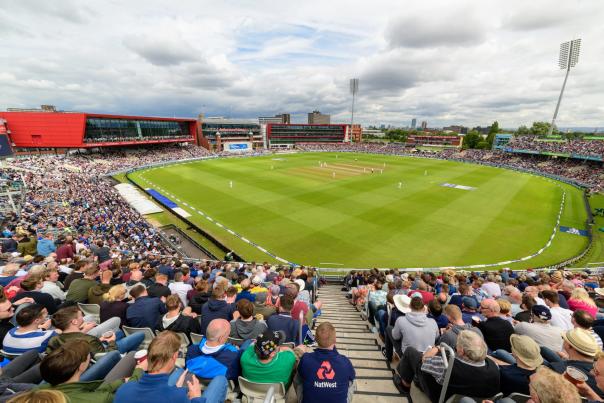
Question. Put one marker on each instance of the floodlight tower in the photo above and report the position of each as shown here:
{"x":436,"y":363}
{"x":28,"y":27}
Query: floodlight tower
{"x":354,"y":88}
{"x":569,"y":57}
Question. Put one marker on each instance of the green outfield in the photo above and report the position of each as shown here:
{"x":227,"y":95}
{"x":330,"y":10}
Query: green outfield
{"x":361,"y":210}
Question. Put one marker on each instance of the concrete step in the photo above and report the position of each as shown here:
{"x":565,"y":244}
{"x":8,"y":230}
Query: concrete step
{"x":373,"y":372}
{"x":350,"y":326}
{"x":356,"y":340}
{"x":377,"y":364}
{"x":341,"y":315}
{"x":346,"y":316}
{"x":371,"y":398}
{"x":335,"y":321}
{"x":375,"y":354}
{"x":365,"y":347}
{"x":377,"y":385}
{"x":353,"y":335}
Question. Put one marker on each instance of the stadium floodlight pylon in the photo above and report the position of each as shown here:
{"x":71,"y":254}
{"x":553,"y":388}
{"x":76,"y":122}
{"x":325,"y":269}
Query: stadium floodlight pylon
{"x":569,"y":57}
{"x":354,"y":88}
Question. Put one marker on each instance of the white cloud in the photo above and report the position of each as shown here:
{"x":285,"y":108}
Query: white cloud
{"x":467,"y":61}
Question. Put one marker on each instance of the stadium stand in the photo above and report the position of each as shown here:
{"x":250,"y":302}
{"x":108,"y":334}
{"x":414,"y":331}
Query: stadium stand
{"x":77,"y":248}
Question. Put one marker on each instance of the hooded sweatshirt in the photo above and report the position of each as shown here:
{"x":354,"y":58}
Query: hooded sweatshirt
{"x":416,"y":330}
{"x":247,"y":329}
{"x":208,"y":362}
{"x":215,"y":309}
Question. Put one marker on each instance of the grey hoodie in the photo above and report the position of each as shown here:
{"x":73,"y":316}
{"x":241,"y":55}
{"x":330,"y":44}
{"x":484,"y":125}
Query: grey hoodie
{"x":247,"y":330}
{"x":416,"y":330}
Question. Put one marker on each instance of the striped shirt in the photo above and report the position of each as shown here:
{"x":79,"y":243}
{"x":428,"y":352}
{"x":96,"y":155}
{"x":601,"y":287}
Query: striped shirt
{"x":597,"y":338}
{"x":19,"y":343}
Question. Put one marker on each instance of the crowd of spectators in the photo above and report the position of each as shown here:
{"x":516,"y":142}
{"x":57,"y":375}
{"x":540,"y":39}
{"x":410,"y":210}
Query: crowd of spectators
{"x":232,"y":319}
{"x":592,"y":148}
{"x":508,"y":331}
{"x":76,"y":241}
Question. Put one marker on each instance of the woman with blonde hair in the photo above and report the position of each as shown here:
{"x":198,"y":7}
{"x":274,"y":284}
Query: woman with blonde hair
{"x":580,"y":300}
{"x":39,"y":396}
{"x":114,"y":304}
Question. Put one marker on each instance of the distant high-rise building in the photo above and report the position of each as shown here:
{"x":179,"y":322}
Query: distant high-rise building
{"x":456,"y":128}
{"x":413,"y":123}
{"x":424,"y":124}
{"x":317,"y":118}
{"x":285,"y":118}
{"x":282,"y":118}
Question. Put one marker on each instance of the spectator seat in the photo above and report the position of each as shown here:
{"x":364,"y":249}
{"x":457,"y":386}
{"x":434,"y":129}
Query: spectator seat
{"x":93,"y":310}
{"x":149,"y":335}
{"x":254,"y":392}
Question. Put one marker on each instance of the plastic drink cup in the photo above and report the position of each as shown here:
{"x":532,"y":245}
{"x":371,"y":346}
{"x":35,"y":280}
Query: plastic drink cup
{"x":574,"y":375}
{"x":140,"y":356}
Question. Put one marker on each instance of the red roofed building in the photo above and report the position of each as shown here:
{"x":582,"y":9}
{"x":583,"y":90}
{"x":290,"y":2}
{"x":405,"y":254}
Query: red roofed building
{"x":29,"y":130}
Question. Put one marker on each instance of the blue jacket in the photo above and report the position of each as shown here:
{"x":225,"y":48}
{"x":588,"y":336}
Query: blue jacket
{"x":246,"y":295}
{"x":46,"y":247}
{"x":223,"y":362}
{"x":285,"y":323}
{"x":151,"y":388}
{"x":326,"y":376}
{"x":215,"y":309}
{"x":145,"y":312}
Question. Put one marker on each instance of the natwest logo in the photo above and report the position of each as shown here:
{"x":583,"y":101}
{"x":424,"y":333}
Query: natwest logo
{"x":325,"y":371}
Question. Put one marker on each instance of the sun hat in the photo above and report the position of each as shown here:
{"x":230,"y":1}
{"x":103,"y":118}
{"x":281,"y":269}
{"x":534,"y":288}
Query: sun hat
{"x":581,"y":341}
{"x":599,"y":291}
{"x":542,"y":312}
{"x":301,"y":284}
{"x":526,"y":350}
{"x":256,"y":280}
{"x":402,"y":303}
{"x":389,"y":278}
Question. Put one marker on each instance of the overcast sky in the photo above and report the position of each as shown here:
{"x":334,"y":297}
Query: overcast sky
{"x":447,"y":62}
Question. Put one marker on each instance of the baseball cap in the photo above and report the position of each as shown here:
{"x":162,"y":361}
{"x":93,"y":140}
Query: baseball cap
{"x":268,"y":342}
{"x":469,"y":302}
{"x":542,"y":312}
{"x":256,"y":280}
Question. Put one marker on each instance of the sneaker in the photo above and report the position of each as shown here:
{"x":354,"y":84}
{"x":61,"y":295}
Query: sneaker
{"x":398,"y":382}
{"x":374,"y":329}
{"x":384,"y":354}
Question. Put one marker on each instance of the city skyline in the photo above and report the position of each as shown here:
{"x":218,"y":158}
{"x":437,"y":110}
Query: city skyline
{"x":468,"y":64}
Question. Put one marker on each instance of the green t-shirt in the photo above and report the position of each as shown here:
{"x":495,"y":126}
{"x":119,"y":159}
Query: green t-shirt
{"x":279,"y":369}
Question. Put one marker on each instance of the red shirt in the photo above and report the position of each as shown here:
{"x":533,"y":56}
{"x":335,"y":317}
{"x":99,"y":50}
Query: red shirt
{"x":299,"y":306}
{"x":65,"y":251}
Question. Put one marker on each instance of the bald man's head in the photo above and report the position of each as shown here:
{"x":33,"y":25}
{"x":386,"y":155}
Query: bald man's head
{"x":490,"y":307}
{"x":218,"y":330}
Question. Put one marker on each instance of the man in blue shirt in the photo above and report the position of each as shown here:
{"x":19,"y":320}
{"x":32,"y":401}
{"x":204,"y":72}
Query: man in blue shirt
{"x":145,"y":311}
{"x":325,"y":375}
{"x":153,"y":385}
{"x":46,"y":245}
{"x":283,"y":321}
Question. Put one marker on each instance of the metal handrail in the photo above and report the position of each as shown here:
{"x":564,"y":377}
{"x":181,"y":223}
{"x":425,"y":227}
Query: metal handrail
{"x":448,"y":356}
